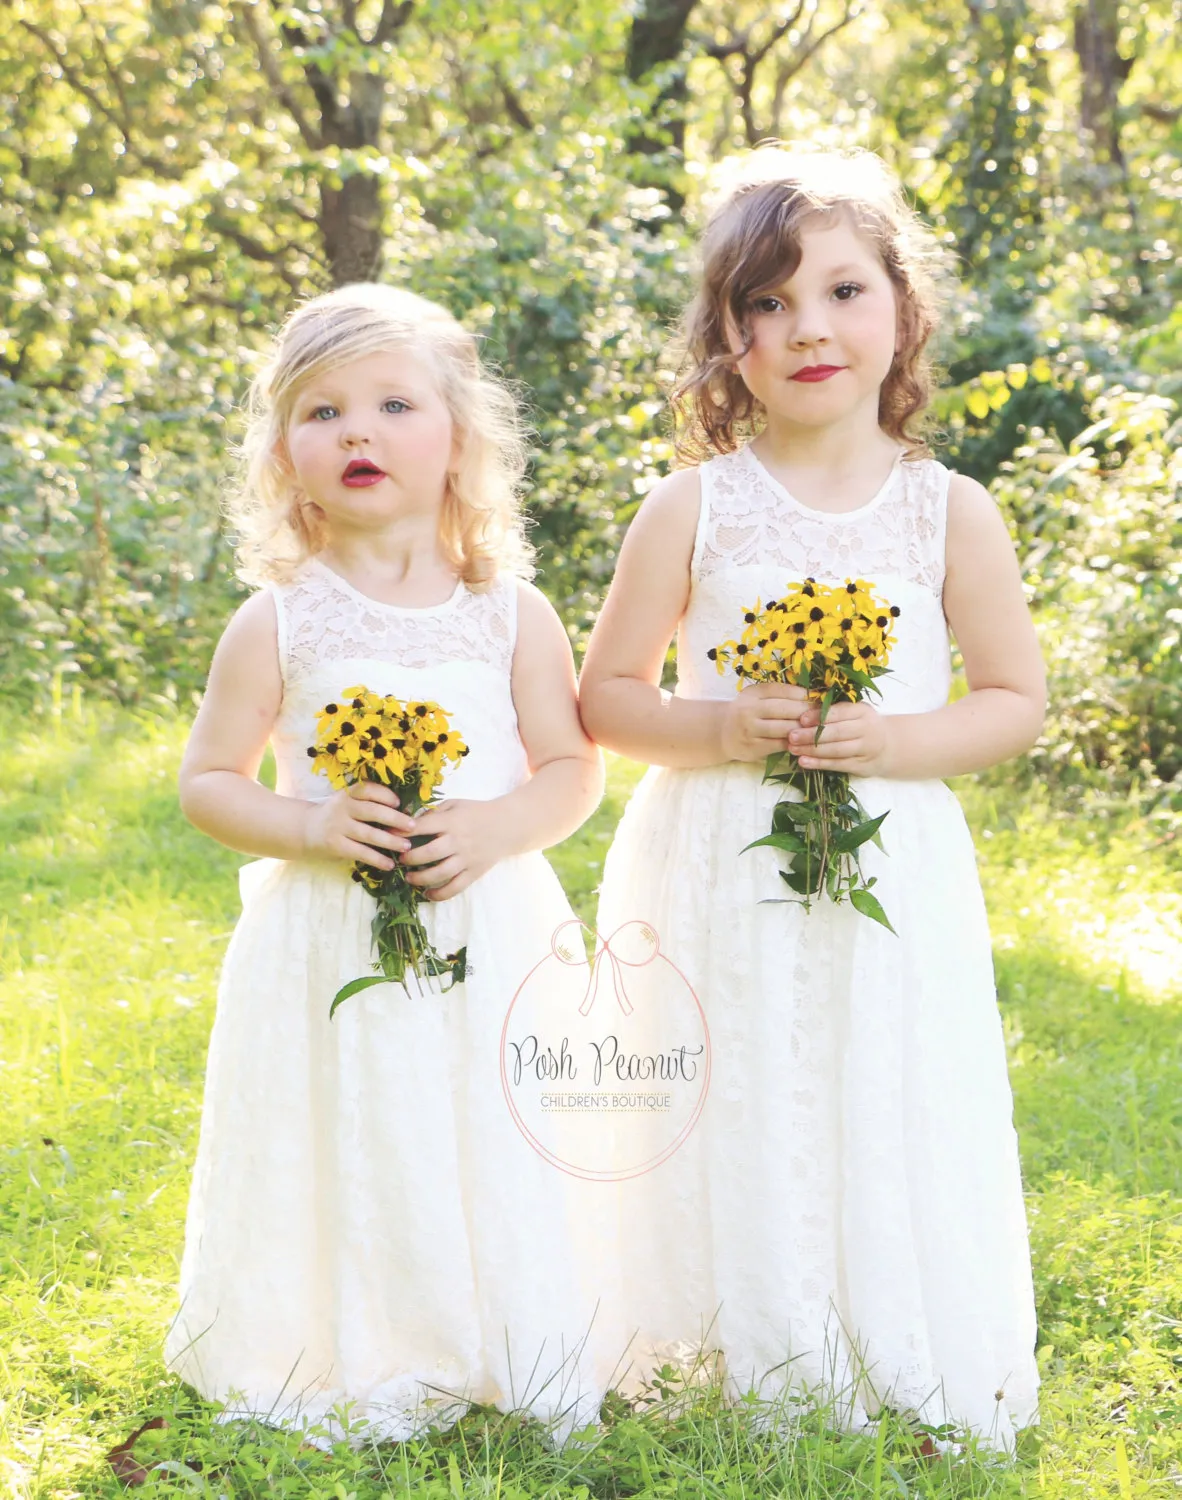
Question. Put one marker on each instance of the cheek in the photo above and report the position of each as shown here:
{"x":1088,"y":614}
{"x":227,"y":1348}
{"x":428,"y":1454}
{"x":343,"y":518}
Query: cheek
{"x":432,"y":442}
{"x":762,"y":351}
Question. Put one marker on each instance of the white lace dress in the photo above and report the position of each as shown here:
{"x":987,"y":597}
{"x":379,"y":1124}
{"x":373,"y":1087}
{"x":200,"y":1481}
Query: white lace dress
{"x":367,"y":1227}
{"x":848,"y":1211}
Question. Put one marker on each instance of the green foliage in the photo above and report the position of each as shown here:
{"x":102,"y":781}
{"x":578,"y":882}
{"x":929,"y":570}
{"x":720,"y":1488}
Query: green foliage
{"x":174,"y":177}
{"x":113,"y":566}
{"x":117,"y":914}
{"x":1102,"y":525}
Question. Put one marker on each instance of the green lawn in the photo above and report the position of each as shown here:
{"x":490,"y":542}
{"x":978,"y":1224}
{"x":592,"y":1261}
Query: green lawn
{"x":113,"y":917}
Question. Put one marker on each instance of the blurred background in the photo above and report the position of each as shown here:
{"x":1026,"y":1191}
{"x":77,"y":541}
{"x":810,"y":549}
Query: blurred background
{"x":175,"y":176}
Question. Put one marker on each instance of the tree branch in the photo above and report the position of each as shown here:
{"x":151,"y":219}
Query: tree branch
{"x":751,"y":56}
{"x":309,"y":133}
{"x":112,"y":72}
{"x":513,"y":105}
{"x":851,"y":14}
{"x":100,"y":105}
{"x":779,"y":31}
{"x":255,"y":250}
{"x":395,"y":14}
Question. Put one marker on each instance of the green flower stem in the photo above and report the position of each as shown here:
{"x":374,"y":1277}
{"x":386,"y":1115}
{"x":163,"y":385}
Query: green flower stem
{"x":400,"y":940}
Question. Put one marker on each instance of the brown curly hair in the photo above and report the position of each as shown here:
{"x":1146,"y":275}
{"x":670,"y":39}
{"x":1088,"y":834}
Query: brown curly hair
{"x":752,"y":245}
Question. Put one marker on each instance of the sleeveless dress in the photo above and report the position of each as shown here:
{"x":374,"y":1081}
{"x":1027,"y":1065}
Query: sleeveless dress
{"x":847,"y":1216}
{"x":367,"y":1228}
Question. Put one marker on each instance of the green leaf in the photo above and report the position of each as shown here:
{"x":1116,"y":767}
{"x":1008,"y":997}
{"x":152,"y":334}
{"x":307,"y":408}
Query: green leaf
{"x":870,"y":906}
{"x":354,"y":987}
{"x":781,"y":766}
{"x":800,"y":812}
{"x":853,"y":838}
{"x":798,"y":881}
{"x":781,"y":818}
{"x":790,"y":843}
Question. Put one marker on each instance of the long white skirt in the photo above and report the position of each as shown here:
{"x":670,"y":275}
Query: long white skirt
{"x":370,"y":1238}
{"x":847,"y":1215}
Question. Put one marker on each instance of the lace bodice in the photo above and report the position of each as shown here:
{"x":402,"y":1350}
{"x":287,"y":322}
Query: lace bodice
{"x":754,"y":539}
{"x":459,"y":653}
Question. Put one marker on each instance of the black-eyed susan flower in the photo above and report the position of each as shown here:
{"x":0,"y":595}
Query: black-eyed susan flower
{"x":365,"y":736}
{"x":834,"y":640}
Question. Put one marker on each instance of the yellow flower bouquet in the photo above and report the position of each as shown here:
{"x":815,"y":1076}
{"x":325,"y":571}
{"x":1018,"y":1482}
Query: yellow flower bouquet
{"x":406,"y":746}
{"x":833,"y":641}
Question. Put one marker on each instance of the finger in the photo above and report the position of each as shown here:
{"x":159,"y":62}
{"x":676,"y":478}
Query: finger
{"x":428,"y":854}
{"x":374,"y":791}
{"x":380,"y":838}
{"x":838,"y":713}
{"x":777,"y":711}
{"x":829,"y":734}
{"x":773,"y":690}
{"x":366,"y":856}
{"x":438,"y":876}
{"x":832,"y":755}
{"x":382,"y":816}
{"x":452,"y":888}
{"x":772,"y":729}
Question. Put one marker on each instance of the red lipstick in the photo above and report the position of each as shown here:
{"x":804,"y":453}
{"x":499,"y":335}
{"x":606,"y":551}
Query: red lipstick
{"x":360,"y":474}
{"x":812,"y":373}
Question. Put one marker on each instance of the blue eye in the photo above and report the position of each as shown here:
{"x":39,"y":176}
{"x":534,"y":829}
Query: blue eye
{"x":847,"y":291}
{"x":395,"y":405}
{"x":322,"y":413}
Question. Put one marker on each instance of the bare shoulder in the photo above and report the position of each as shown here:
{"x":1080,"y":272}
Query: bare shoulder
{"x":256,"y":619}
{"x":535,"y":613}
{"x":976,"y":527}
{"x":250,"y":642}
{"x":969,"y":502}
{"x":532,"y":605}
{"x":671,"y":506}
{"x":540,"y":632}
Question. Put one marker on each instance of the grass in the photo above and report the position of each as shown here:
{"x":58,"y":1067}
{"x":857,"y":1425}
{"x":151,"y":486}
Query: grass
{"x":115,"y":914}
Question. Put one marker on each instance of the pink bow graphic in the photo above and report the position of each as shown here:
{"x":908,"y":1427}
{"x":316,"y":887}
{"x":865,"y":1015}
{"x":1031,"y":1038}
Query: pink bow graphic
{"x":616,"y":961}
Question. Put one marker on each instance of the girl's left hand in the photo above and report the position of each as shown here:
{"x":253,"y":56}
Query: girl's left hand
{"x":854,"y":740}
{"x":467,"y":839}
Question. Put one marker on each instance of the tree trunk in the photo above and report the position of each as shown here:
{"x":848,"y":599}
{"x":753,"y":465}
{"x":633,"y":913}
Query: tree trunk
{"x":656,"y":41}
{"x":1102,"y":71}
{"x":351,"y":226}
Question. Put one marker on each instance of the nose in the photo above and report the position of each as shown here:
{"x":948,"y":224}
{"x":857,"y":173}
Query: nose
{"x":810,"y":326}
{"x":354,"y":431}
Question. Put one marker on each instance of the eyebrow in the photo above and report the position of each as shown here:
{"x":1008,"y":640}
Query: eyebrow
{"x":326,"y":395}
{"x":847,"y":268}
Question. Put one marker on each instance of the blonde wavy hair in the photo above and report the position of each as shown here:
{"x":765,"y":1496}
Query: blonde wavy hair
{"x":481,"y":526}
{"x":752,"y":245}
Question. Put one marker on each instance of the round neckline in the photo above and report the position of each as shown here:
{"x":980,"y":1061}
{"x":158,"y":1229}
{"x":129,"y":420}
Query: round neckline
{"x":811,"y":510}
{"x":398,"y":609}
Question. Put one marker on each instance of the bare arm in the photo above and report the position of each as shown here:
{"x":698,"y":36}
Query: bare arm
{"x":620,"y":696}
{"x":1001,"y":715}
{"x":566,"y":770}
{"x":219,"y":790}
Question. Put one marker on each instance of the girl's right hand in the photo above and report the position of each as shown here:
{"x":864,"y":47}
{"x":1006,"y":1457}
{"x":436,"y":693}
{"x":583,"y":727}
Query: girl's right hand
{"x":757,"y":722}
{"x":354,"y":824}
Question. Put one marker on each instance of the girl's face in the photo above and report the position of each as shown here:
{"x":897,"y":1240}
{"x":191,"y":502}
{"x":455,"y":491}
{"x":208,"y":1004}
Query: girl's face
{"x":824,"y":339}
{"x":372,"y":442}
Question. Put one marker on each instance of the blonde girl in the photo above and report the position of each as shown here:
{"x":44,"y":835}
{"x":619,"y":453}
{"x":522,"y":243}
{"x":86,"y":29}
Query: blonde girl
{"x":368,"y":1233}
